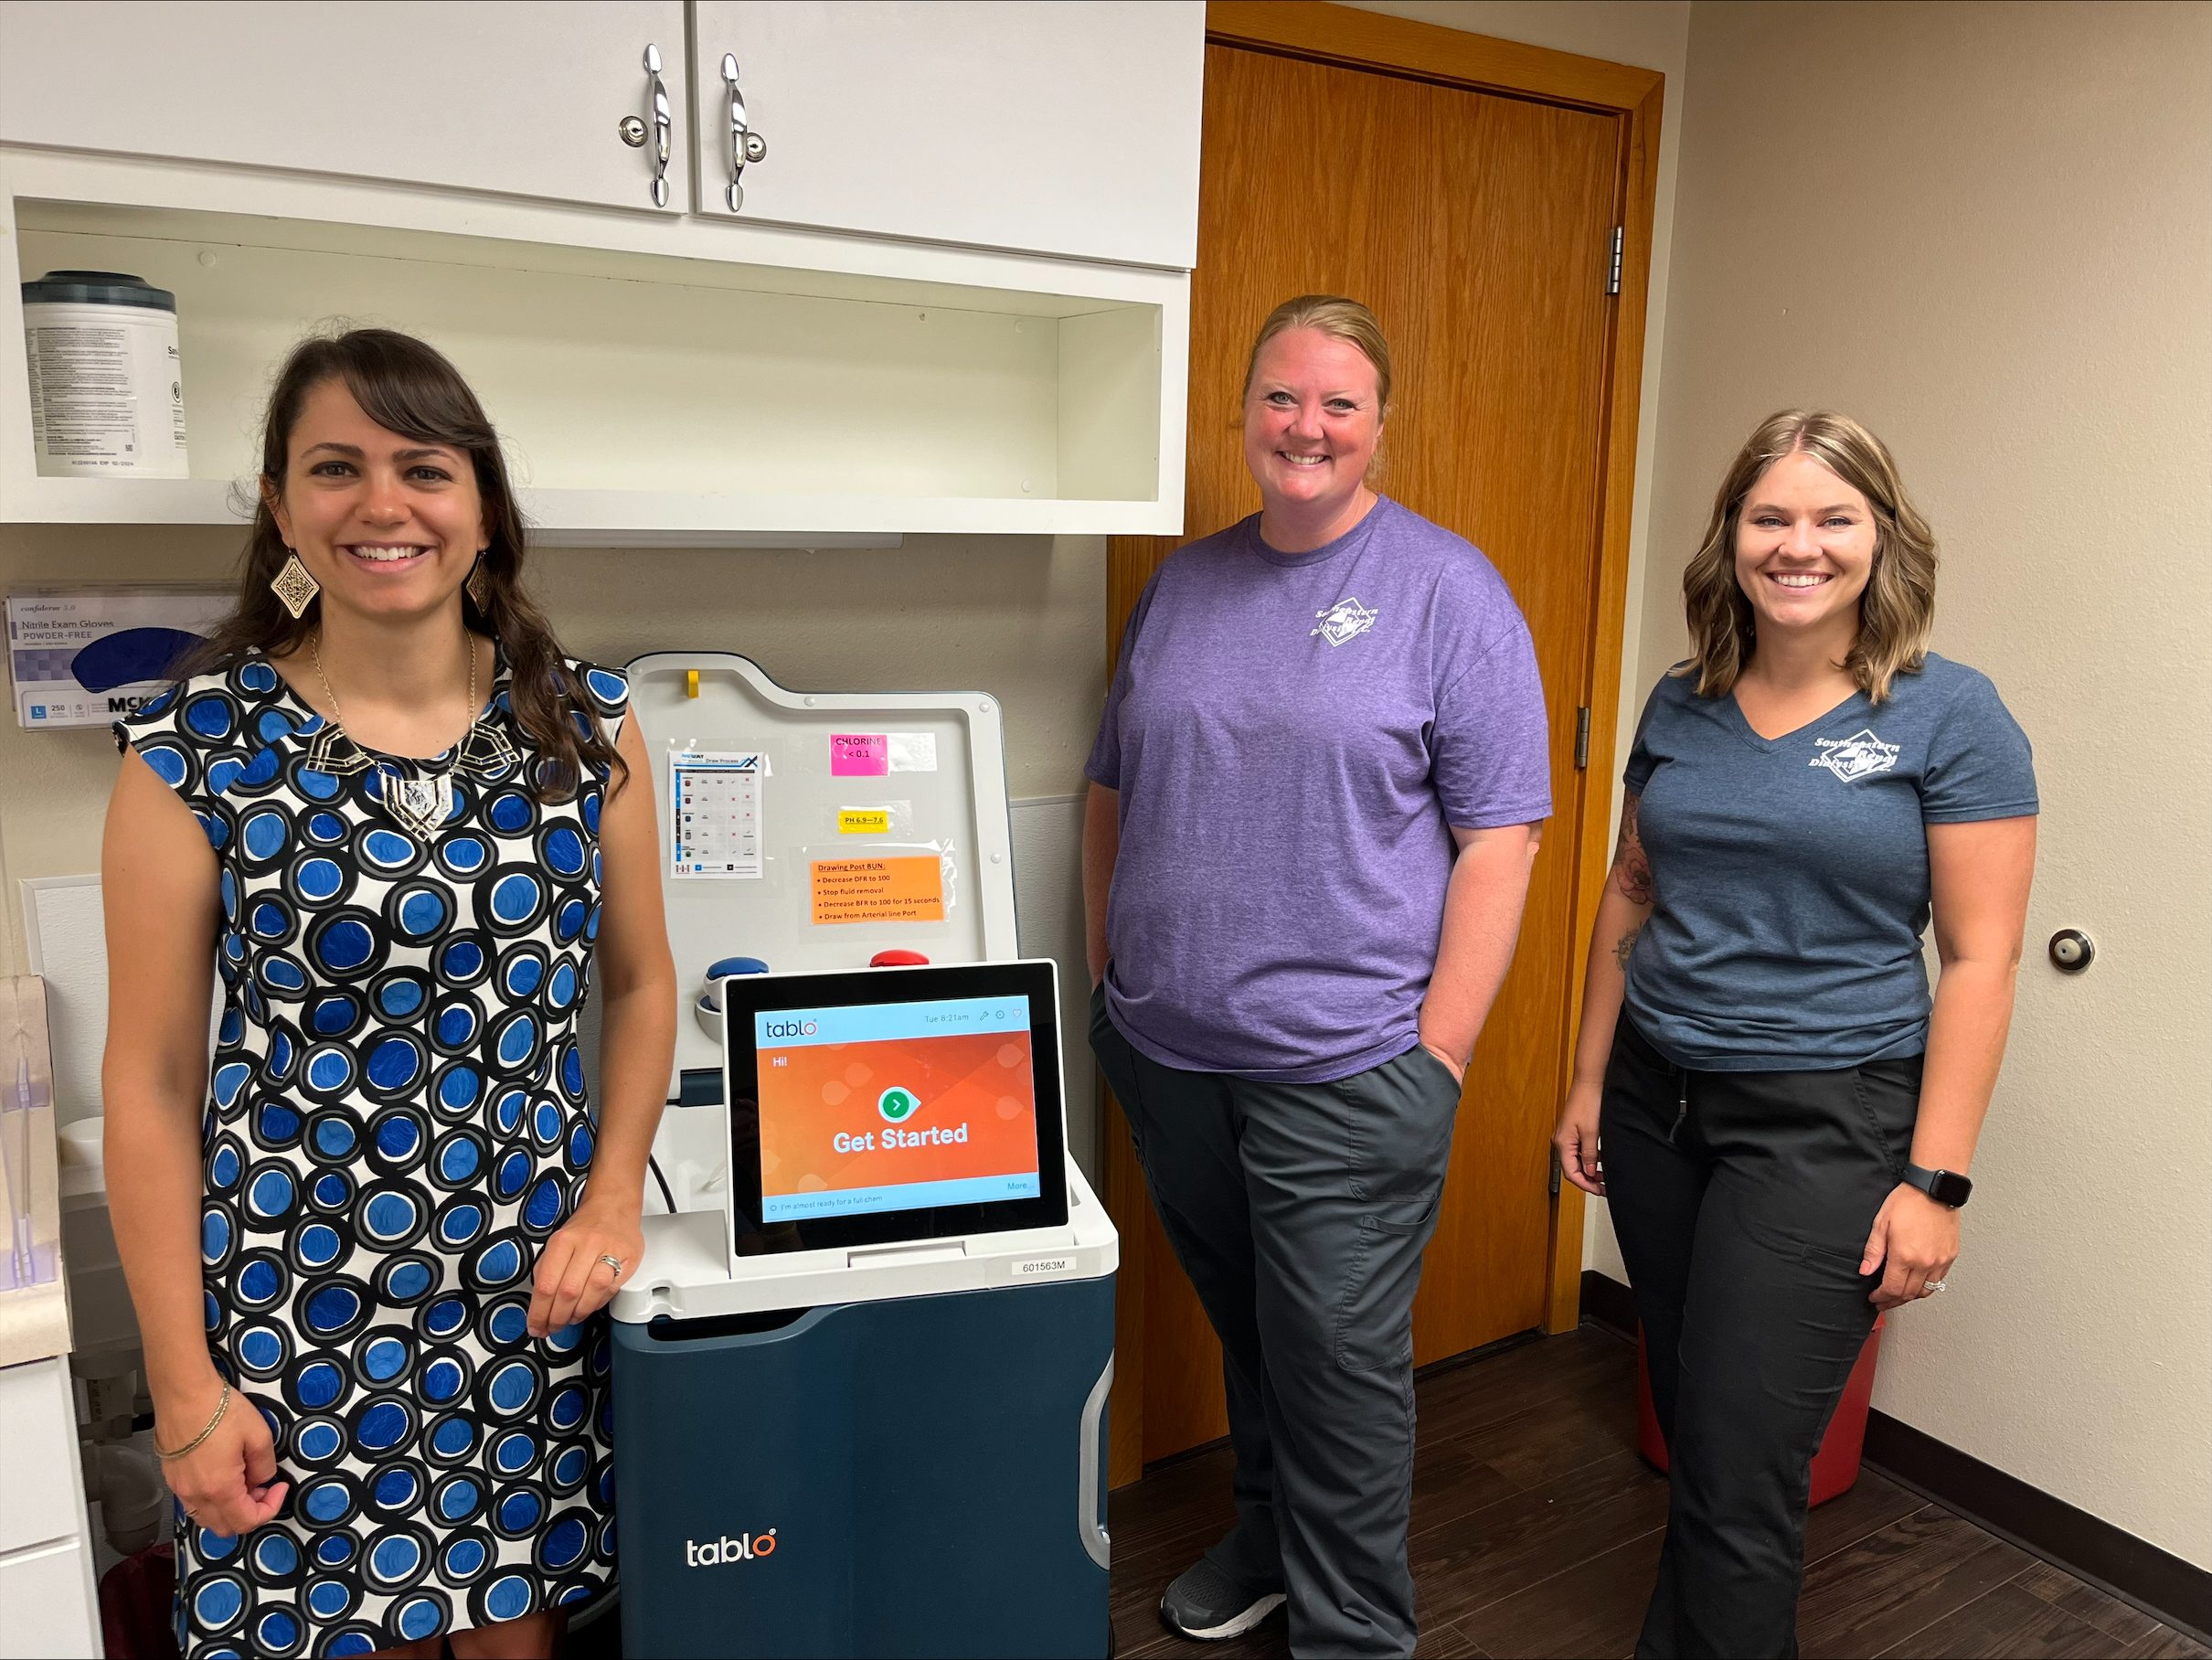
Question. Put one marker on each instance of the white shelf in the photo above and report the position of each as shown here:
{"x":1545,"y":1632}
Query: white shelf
{"x":657,"y":384}
{"x":618,"y":518}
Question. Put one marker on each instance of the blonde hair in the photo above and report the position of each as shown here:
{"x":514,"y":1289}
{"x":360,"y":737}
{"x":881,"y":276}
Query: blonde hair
{"x":1340,"y":319}
{"x":1898,"y":608}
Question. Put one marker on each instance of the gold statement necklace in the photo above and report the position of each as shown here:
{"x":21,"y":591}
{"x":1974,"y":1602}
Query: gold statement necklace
{"x":423,"y":804}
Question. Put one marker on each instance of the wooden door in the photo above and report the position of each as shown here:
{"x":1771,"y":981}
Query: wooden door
{"x":1057,"y":127}
{"x":523,"y":100}
{"x":1480,"y":229}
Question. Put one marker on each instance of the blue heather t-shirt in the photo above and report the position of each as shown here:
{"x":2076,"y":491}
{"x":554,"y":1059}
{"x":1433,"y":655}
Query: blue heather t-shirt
{"x":1292,"y":736}
{"x":1790,"y":876}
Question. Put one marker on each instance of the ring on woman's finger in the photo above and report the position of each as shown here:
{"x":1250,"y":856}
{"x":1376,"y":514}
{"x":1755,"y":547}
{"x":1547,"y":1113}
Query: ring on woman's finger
{"x":612,"y":1260}
{"x":1930,"y":1287}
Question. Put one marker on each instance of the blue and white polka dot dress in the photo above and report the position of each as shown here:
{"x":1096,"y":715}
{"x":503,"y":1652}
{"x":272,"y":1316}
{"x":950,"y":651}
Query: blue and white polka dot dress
{"x":396,"y":1122}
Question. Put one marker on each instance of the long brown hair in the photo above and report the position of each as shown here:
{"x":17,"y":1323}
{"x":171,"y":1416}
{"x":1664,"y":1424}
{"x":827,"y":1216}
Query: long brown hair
{"x":410,"y":387}
{"x":1896,"y":612}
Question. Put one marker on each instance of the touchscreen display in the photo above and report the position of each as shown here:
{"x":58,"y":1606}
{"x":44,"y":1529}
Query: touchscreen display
{"x":898,"y":1106}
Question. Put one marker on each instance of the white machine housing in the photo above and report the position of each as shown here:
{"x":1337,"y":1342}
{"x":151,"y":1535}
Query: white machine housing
{"x":956,"y":810}
{"x":687,"y":1273}
{"x":959,"y":810}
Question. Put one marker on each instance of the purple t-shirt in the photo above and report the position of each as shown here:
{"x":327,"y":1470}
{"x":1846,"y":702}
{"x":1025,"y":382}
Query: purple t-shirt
{"x":1292,"y":736}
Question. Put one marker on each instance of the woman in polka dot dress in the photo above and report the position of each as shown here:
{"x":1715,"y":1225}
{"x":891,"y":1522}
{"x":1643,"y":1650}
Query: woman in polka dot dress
{"x":380,"y":1391}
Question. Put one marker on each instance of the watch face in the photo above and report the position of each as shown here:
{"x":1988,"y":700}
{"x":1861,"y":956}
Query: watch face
{"x":1950,"y":1188}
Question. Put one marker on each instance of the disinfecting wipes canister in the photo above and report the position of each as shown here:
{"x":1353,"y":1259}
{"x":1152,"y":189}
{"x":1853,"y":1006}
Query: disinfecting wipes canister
{"x":107,"y":385}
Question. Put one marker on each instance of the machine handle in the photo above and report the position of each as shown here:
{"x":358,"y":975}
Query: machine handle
{"x":1090,"y":1495}
{"x":663,"y":124}
{"x":745,"y":144}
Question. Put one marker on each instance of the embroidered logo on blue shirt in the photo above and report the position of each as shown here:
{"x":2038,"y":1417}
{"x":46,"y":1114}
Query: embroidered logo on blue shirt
{"x":1345,"y":619}
{"x":1861,"y":755}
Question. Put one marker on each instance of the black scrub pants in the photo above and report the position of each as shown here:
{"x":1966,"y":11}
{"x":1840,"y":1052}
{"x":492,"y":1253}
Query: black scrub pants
{"x":1742,"y":1201}
{"x":1300,"y":1212}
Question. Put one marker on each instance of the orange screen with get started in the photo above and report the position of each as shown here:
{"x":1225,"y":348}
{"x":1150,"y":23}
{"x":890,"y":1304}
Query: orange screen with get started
{"x":824,"y":1127}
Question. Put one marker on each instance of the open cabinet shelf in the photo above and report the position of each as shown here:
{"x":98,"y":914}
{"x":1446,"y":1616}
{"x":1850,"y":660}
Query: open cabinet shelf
{"x":655,"y":384}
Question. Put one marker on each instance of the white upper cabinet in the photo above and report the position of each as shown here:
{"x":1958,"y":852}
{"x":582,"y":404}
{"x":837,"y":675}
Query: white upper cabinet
{"x":1065,"y":127}
{"x":521,"y":100}
{"x":953,"y":296}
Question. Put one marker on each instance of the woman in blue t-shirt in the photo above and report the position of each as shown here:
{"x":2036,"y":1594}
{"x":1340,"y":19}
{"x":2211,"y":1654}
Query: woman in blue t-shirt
{"x":1786,"y":1118}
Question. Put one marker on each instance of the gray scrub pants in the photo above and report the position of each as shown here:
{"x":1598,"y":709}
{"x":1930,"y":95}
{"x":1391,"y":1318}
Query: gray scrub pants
{"x":1300,"y":1212}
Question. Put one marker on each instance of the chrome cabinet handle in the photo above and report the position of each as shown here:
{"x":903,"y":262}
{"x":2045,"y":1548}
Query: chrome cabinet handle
{"x":663,"y":124}
{"x":745,"y":144}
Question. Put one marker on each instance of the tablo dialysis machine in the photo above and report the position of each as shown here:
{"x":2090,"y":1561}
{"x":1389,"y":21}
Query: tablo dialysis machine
{"x":860,"y":1376}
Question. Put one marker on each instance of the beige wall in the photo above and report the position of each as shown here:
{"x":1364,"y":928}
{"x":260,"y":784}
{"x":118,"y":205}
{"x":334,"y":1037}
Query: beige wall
{"x":1983,"y":230}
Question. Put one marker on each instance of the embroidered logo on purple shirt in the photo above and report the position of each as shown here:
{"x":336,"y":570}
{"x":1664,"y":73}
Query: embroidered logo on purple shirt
{"x":1345,"y":619}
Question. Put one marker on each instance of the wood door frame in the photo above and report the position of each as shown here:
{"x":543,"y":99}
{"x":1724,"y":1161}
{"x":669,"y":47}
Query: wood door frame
{"x":1325,"y":33}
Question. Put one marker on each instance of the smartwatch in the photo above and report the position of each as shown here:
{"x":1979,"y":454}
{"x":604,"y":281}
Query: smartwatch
{"x":1945,"y":1187}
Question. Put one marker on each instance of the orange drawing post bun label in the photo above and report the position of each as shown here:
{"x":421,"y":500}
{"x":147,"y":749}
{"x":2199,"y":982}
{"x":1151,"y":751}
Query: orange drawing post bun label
{"x":880,"y":891}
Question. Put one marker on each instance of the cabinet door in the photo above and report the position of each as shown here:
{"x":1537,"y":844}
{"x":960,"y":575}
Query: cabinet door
{"x":44,"y":1608}
{"x":525,"y":100}
{"x":1050,"y":126}
{"x":42,"y":1500}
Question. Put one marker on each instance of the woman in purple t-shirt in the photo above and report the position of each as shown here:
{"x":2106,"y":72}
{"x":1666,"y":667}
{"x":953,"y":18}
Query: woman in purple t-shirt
{"x":1314,"y":800}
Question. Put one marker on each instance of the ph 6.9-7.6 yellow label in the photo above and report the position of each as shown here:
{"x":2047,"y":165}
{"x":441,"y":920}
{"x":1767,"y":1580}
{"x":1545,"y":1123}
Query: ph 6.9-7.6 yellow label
{"x":864,"y":821}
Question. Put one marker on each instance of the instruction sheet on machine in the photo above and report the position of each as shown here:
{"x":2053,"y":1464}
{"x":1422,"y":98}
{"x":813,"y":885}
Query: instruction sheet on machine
{"x":714,"y":813}
{"x":715,"y":828}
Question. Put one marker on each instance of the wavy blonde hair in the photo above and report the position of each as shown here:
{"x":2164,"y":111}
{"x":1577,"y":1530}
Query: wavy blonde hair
{"x":1340,"y":319}
{"x":1898,"y":608}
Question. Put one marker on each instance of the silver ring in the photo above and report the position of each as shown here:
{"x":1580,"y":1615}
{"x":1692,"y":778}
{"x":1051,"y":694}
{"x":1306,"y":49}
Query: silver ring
{"x":1930,"y":1287}
{"x":615,"y":1262}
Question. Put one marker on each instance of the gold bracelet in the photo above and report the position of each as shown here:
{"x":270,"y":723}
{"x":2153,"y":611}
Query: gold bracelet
{"x":222,"y":1407}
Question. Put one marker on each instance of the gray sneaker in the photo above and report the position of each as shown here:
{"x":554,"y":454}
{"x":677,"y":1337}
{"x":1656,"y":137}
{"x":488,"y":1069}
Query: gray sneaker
{"x":1207,"y":1604}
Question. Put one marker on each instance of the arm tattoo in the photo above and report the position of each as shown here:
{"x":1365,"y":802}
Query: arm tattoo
{"x":1631,"y":869}
{"x":1626,"y":943}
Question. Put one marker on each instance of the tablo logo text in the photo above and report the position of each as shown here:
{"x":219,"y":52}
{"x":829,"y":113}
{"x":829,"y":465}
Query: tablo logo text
{"x":787,"y":1029}
{"x":745,"y":1548}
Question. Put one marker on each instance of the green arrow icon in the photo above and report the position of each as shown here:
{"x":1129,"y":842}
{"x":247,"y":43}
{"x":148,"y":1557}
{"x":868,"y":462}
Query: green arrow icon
{"x":897,"y":1105}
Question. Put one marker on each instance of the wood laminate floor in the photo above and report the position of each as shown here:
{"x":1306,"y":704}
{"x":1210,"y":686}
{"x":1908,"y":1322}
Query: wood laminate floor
{"x":1537,"y":1530}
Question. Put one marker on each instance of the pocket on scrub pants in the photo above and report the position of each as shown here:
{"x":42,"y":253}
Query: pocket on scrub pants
{"x":1375,"y":1318}
{"x":1439,"y":1075}
{"x":1398,"y":1122}
{"x":1888,"y":1096}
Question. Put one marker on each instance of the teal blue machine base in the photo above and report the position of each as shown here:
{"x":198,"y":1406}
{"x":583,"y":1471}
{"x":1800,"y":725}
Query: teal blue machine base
{"x":919,"y":1475}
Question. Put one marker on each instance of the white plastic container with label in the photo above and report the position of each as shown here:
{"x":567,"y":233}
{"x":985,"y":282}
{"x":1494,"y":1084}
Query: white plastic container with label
{"x":107,"y":382}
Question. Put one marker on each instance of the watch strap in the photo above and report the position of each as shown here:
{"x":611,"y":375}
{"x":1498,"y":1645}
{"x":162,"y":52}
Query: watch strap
{"x":1945,"y":1187}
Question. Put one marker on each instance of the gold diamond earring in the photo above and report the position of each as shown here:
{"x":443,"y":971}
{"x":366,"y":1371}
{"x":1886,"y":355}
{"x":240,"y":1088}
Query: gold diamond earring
{"x":479,"y":585}
{"x":294,"y":588}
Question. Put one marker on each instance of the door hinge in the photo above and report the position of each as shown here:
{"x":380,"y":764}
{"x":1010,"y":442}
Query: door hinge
{"x":1581,"y":739}
{"x":1613,"y":282}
